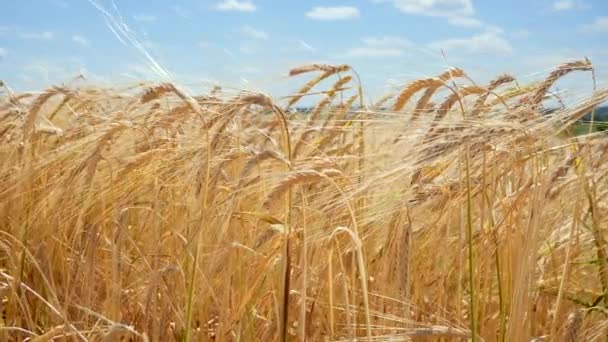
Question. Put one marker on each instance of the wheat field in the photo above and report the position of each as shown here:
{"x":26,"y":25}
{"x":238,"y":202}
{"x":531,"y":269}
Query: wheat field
{"x":446,"y":211}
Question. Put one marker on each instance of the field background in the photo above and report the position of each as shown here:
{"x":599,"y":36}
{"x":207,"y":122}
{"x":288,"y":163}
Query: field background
{"x":447,"y":210}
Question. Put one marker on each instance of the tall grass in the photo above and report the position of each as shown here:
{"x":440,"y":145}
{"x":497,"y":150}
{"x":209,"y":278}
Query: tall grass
{"x":149,"y":214}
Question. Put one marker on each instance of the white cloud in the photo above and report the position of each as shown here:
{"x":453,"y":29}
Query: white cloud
{"x":386,"y":41}
{"x":458,"y":13}
{"x":235,"y":5}
{"x":599,"y":25}
{"x":254,"y":33}
{"x":464,"y":22}
{"x":379,"y":47}
{"x":180,"y":11}
{"x":45,"y":35}
{"x":81,"y":40}
{"x":566,"y":5}
{"x":3,"y":53}
{"x":333,"y":13}
{"x":144,"y":17}
{"x":563,"y":5}
{"x":484,"y":43}
{"x":434,"y":8}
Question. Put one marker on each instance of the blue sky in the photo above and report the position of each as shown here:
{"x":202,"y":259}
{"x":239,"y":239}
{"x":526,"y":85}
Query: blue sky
{"x":252,"y":43}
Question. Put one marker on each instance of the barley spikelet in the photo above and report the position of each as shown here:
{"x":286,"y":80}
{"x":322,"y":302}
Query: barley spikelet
{"x":66,"y":99}
{"x":90,"y":163}
{"x":173,"y":115}
{"x":378,"y":105}
{"x":499,"y":81}
{"x":162,"y":89}
{"x":318,"y":67}
{"x":156,"y":92}
{"x":451,"y":74}
{"x":304,"y":139}
{"x":51,"y":335}
{"x":561,"y":71}
{"x":445,"y":107}
{"x":30,"y":120}
{"x":48,"y":129}
{"x":140,"y":160}
{"x":438,"y":331}
{"x":299,"y":177}
{"x":260,"y":157}
{"x":342,"y":110}
{"x":308,"y":86}
{"x":329,"y":97}
{"x":412,"y":89}
{"x":259,"y":99}
{"x":7,"y":128}
{"x":432,"y":83}
{"x":328,"y":138}
{"x":338,"y":115}
{"x":573,"y":326}
{"x":423,"y":103}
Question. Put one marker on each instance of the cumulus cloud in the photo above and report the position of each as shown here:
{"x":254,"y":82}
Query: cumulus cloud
{"x":599,"y":25}
{"x":464,"y":22}
{"x":485,"y":43}
{"x":434,"y":8}
{"x":458,"y":13}
{"x":567,"y":5}
{"x":333,"y":13}
{"x":235,"y":5}
{"x":563,"y":5}
{"x":81,"y":40}
{"x":379,"y":47}
{"x":254,"y":33}
{"x":45,"y":35}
